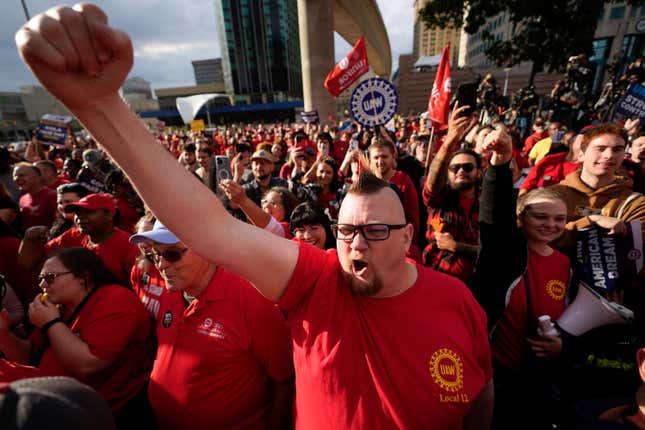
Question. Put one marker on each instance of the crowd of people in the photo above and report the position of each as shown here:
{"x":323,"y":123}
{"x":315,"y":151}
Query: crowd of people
{"x":307,"y":276}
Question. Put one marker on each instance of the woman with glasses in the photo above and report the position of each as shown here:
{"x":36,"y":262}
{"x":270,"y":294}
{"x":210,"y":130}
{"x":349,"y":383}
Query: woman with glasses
{"x":88,"y":326}
{"x":277,"y":205}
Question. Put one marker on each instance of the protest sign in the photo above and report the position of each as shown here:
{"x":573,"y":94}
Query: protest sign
{"x":633,"y":104}
{"x":374,"y":102}
{"x":53,"y":129}
{"x":197,"y":125}
{"x":310,"y":117}
{"x":608,"y":262}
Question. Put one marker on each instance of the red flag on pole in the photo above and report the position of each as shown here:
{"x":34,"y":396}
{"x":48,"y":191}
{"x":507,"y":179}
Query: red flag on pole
{"x":348,"y":70}
{"x":439,"y":103}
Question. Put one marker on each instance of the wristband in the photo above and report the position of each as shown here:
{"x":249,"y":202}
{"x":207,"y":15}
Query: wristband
{"x":47,"y":325}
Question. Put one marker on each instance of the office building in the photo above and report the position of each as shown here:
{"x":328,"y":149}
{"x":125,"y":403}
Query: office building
{"x":260,"y":50}
{"x":208,"y":71}
{"x":431,"y":41}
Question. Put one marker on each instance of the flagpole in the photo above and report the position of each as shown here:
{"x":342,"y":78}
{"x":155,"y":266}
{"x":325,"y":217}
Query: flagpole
{"x":430,"y":145}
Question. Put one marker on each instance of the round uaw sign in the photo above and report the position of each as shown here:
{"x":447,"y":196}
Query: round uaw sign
{"x":374,"y":102}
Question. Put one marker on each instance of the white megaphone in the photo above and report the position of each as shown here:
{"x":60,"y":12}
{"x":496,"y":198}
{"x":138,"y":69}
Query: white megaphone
{"x":590,"y":310}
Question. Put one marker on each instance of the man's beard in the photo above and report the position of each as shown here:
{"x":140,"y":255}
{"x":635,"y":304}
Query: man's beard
{"x":462,"y":185}
{"x":358,"y":289}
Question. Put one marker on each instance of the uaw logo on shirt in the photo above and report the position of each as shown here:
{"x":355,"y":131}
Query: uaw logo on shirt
{"x":447,"y":371}
{"x":167,"y":319}
{"x":556,"y":289}
{"x":210,"y":328}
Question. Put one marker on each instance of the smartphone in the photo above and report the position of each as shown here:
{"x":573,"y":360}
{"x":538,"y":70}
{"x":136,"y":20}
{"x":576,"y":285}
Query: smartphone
{"x":353,"y":143}
{"x":467,"y":96}
{"x":222,"y":168}
{"x":557,"y":136}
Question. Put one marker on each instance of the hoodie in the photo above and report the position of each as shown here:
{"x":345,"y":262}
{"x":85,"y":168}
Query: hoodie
{"x":617,"y":200}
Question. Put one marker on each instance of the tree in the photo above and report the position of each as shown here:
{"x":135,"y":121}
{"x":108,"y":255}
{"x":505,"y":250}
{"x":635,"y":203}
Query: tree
{"x":546,"y":34}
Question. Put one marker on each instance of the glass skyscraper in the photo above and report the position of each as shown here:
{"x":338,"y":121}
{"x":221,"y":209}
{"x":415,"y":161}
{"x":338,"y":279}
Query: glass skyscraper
{"x":260,"y":49}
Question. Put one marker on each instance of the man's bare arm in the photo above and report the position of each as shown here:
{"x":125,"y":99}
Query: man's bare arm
{"x":480,"y":415}
{"x":83,"y":63}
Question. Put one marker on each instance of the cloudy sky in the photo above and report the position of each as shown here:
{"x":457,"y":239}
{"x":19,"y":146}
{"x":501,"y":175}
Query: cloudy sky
{"x":168,"y":34}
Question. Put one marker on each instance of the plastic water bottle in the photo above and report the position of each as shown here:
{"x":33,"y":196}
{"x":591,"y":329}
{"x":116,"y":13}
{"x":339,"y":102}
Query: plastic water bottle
{"x":546,"y":326}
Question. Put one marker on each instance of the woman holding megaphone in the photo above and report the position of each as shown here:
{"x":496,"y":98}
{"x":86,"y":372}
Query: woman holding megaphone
{"x":519,"y":278}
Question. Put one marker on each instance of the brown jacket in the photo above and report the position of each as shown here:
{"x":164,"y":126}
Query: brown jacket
{"x":609,"y":200}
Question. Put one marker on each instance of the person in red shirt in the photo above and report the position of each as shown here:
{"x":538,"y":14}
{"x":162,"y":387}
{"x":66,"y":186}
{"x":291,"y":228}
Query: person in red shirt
{"x":553,"y":168}
{"x":539,"y":133}
{"x":38,"y":203}
{"x":224,"y":356}
{"x":94,"y":229}
{"x":49,"y":174}
{"x":519,"y":278}
{"x":145,"y":279}
{"x":382,"y":155}
{"x":431,"y":370}
{"x":89,"y":327}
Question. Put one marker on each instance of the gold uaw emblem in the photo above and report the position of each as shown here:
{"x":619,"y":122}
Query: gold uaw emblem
{"x":556,"y":289}
{"x":447,"y":370}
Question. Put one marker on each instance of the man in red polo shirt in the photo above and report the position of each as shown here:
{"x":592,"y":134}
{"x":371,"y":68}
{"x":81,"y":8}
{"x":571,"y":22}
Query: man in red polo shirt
{"x":94,"y":229}
{"x":224,"y":354}
{"x":383,"y":164}
{"x":379,"y":341}
{"x":49,"y":174}
{"x":38,"y":203}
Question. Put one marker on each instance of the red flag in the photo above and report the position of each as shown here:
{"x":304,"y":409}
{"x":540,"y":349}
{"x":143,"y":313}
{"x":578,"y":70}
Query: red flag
{"x":439,"y":103}
{"x":348,"y":70}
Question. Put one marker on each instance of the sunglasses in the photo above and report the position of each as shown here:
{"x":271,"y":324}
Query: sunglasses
{"x":468,"y":167}
{"x":171,"y":255}
{"x":50,"y":277}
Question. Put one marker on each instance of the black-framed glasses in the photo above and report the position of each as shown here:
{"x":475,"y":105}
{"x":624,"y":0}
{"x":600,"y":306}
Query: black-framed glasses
{"x":50,"y":277}
{"x":468,"y":167}
{"x":170,"y":255}
{"x":372,"y":232}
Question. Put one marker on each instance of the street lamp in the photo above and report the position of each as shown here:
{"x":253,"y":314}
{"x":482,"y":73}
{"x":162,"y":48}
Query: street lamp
{"x":506,"y":70}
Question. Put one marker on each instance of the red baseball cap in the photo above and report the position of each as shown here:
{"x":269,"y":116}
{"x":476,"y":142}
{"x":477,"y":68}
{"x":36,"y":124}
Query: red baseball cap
{"x":93,"y":202}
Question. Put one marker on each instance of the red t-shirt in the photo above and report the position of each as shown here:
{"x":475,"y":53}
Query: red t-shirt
{"x":285,"y":171}
{"x":413,"y":361}
{"x":38,"y":209}
{"x":548,"y":278}
{"x":129,"y":216}
{"x":62,"y":179}
{"x":410,"y":200}
{"x":117,"y":252}
{"x":216,"y":358}
{"x":149,"y":286}
{"x":116,"y":328}
{"x":548,"y":171}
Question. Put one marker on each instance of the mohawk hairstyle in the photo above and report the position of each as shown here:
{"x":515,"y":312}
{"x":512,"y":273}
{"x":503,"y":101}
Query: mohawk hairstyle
{"x":368,"y":183}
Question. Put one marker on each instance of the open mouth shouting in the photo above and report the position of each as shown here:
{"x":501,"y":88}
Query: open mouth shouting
{"x":359,"y":267}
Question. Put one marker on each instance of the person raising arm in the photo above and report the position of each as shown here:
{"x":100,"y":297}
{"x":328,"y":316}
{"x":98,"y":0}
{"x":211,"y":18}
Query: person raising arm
{"x":83,"y":62}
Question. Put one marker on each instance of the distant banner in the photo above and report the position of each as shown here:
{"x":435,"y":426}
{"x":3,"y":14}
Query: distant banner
{"x":310,"y":117}
{"x":197,"y":125}
{"x":348,"y":70}
{"x":608,"y":262}
{"x":53,"y":129}
{"x":633,"y":104}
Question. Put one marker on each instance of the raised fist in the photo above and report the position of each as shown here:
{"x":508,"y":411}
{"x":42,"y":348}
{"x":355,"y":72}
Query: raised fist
{"x":76,"y":55}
